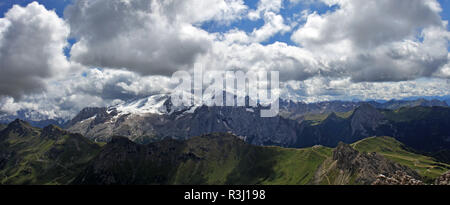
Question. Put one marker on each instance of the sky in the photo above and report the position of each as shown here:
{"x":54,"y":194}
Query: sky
{"x":59,"y":56}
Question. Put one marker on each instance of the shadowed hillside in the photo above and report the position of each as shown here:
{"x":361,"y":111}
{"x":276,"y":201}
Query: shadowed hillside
{"x":51,"y":155}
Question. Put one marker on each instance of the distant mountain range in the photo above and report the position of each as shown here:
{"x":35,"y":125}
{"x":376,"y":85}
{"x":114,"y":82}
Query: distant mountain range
{"x":33,"y":117}
{"x":30,"y":155}
{"x":421,"y":124}
{"x":297,"y":110}
{"x":298,"y":124}
{"x":160,"y":104}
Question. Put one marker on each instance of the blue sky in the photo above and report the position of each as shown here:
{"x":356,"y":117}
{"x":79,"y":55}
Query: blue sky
{"x":288,"y":11}
{"x":57,"y":5}
{"x":345,"y":58}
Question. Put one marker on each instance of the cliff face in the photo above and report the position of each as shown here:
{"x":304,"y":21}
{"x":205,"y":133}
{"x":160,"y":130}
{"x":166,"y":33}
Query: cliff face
{"x":365,"y":120}
{"x":241,"y":121}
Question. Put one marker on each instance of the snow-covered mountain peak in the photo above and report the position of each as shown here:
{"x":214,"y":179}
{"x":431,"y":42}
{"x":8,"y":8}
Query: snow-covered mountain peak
{"x":160,"y":104}
{"x":155,"y":104}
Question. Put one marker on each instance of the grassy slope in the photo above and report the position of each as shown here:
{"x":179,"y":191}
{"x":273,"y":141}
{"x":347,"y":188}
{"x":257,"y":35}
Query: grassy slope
{"x":396,"y":151}
{"x":36,"y":160}
{"x":230,"y":161}
{"x":298,"y":166}
{"x":427,"y":167}
{"x":318,"y":118}
{"x":417,"y":113}
{"x":224,"y":159}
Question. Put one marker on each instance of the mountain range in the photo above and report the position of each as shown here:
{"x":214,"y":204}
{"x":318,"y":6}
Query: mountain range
{"x":150,"y":141}
{"x":30,"y":155}
{"x":33,"y":117}
{"x":158,"y":104}
{"x":422,"y":125}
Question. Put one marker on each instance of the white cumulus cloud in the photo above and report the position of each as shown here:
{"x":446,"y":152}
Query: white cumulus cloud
{"x":32,"y":40}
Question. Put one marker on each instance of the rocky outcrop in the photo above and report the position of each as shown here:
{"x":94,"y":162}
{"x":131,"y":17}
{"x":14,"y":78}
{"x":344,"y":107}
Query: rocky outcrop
{"x":366,"y":168}
{"x":402,"y":178}
{"x":100,"y":114}
{"x":443,"y":180}
{"x":398,"y":178}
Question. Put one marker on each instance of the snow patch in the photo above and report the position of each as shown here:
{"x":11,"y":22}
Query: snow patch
{"x":250,"y":110}
{"x":88,"y":120}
